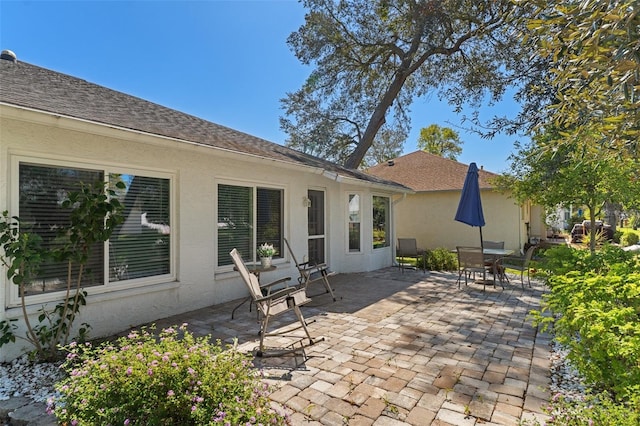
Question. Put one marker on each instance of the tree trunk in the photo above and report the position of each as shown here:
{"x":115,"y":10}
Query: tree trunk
{"x":376,"y":121}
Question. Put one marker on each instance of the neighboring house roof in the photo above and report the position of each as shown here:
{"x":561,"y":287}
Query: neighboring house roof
{"x":29,"y":86}
{"x":425,"y":172}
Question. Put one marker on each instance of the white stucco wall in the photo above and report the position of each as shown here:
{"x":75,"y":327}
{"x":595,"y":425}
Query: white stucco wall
{"x":195,"y":172}
{"x":429,"y":217}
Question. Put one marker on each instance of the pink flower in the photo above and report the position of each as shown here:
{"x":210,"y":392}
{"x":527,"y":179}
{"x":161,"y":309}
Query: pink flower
{"x":170,"y":393}
{"x":129,"y":371}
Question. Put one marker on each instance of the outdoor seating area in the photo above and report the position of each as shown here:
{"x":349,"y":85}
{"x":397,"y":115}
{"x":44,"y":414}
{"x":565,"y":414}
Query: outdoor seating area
{"x":407,"y":346}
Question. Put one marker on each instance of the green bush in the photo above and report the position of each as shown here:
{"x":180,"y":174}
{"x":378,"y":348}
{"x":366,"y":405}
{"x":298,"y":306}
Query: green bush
{"x":169,"y":379}
{"x":598,"y":410}
{"x":629,"y":238}
{"x":596,"y":302}
{"x":441,"y":259}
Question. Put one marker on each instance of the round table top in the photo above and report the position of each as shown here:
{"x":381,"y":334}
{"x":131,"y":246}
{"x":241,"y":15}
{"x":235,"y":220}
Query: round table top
{"x":258,"y":268}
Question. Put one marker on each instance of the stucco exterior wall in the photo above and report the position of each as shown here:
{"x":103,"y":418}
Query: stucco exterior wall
{"x":195,"y":172}
{"x":429,"y":217}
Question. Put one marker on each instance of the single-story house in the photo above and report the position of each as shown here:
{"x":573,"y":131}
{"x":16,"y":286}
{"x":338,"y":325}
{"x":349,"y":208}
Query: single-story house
{"x":428,"y":213}
{"x":194,"y":190}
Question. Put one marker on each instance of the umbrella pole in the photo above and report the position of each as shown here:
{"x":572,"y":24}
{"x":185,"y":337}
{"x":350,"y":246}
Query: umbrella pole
{"x":481,"y":240}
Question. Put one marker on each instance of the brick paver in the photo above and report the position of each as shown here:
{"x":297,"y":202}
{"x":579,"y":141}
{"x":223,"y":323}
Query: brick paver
{"x":402,"y":349}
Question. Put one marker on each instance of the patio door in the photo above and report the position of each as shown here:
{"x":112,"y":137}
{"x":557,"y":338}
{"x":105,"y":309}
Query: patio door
{"x":316,"y":226}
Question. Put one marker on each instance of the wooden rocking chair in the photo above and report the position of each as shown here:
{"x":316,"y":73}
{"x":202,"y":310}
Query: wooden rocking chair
{"x":275,"y":302}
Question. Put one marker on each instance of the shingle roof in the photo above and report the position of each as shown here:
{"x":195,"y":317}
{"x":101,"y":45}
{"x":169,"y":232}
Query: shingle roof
{"x":423,"y":172}
{"x":26,"y":85}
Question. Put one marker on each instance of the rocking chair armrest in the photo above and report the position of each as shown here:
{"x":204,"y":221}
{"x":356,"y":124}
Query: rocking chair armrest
{"x":306,"y":266}
{"x":271,"y":284}
{"x":280,"y":293}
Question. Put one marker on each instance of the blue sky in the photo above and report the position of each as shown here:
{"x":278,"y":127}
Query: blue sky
{"x":224,"y":61}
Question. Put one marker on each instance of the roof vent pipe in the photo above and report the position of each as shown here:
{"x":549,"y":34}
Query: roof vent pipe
{"x":8,"y":55}
{"x":390,"y":163}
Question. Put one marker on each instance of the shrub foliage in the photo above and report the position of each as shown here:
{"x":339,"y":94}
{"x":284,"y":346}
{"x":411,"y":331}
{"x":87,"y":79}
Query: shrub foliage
{"x":441,"y":259}
{"x":595,"y":301}
{"x":171,"y":378}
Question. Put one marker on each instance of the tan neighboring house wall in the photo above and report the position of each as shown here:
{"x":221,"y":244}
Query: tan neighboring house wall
{"x":428,"y":213}
{"x":428,"y":217}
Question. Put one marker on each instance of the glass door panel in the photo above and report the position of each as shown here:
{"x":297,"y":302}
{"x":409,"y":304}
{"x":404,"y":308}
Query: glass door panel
{"x":316,"y":225}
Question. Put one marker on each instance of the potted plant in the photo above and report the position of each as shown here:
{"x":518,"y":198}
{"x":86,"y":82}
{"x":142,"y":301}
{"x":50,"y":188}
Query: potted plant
{"x":266,"y":252}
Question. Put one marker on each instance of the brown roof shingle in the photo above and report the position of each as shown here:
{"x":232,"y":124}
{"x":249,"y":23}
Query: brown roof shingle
{"x":423,"y":172}
{"x":29,"y":86}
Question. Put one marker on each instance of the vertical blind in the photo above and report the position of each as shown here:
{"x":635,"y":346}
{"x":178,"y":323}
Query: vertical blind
{"x":42,"y":190}
{"x":141,"y":246}
{"x":236,"y":215}
{"x":235,"y":222}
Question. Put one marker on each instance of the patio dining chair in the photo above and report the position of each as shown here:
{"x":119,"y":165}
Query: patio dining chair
{"x":471,"y":261}
{"x":272,"y":302}
{"x":408,"y":247}
{"x":312,"y":272}
{"x":521,"y":264}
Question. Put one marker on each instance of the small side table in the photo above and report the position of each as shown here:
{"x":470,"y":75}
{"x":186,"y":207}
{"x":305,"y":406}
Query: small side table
{"x":256,"y":269}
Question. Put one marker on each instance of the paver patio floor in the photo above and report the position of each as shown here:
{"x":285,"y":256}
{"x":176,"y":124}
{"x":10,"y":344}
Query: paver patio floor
{"x":402,"y":348}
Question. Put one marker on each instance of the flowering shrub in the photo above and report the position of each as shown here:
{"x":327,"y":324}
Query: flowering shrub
{"x":169,"y":379}
{"x":266,"y":250}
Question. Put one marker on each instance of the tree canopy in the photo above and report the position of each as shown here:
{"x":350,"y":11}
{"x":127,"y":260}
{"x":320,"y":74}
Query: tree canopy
{"x":592,"y":47}
{"x":441,"y":141}
{"x":552,"y":171}
{"x":371,"y":58}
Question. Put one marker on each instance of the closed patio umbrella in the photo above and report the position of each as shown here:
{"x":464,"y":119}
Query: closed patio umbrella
{"x":470,"y":205}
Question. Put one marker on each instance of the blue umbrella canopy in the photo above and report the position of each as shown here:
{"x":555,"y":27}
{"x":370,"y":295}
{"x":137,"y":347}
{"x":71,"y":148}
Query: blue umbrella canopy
{"x":470,"y":205}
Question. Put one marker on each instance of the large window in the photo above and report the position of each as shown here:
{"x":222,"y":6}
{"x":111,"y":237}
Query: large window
{"x":380,"y":222}
{"x":139,"y":248}
{"x":244,"y":223}
{"x":354,"y":222}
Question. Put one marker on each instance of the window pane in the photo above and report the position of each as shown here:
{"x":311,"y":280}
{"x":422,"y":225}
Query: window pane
{"x":354,"y":223}
{"x":42,"y":190}
{"x":235,"y":207}
{"x":269,"y":220}
{"x":141,"y":246}
{"x":316,"y":213}
{"x":380,"y":222}
{"x":316,"y":250}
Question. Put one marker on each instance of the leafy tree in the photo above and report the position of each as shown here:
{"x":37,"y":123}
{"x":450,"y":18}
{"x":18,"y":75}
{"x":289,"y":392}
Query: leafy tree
{"x":592,"y":46}
{"x":441,"y":141}
{"x":372,"y":58}
{"x":94,"y":213}
{"x":569,"y":174}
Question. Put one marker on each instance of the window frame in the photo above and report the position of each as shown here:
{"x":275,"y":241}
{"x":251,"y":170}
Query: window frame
{"x":387,"y":223}
{"x":12,"y":294}
{"x":280,"y":257}
{"x":349,"y":222}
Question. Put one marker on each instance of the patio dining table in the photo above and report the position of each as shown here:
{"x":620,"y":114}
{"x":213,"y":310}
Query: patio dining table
{"x":496,"y":255}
